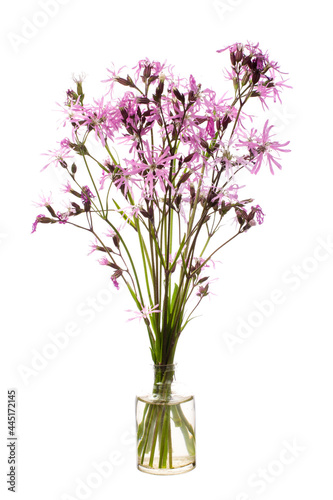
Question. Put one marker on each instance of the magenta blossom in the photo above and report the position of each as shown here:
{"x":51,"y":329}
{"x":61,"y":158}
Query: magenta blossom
{"x":62,"y":217}
{"x":144,"y":313}
{"x":86,"y":194}
{"x":44,"y":201}
{"x":262,"y":148}
{"x":104,"y":261}
{"x":34,"y":225}
{"x":259,"y":214}
{"x":59,"y":156}
{"x":115,"y":282}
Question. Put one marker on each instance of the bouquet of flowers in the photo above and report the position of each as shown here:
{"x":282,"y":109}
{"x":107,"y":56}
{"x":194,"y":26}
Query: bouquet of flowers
{"x":152,"y":171}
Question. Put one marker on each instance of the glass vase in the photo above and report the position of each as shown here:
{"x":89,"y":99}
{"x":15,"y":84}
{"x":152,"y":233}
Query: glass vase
{"x":165,"y":424}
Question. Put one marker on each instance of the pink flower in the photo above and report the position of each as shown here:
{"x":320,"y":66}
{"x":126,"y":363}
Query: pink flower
{"x":104,"y":261}
{"x":66,"y":188}
{"x":156,"y":167}
{"x":124,"y":178}
{"x":58,"y":156}
{"x":210,"y":128}
{"x":273,"y":91}
{"x":259,"y":214}
{"x":110,"y":233}
{"x":155,"y":68}
{"x":44,"y":201}
{"x":103,"y":179}
{"x":261,"y":147}
{"x":62,"y":218}
{"x":86,"y":194}
{"x":115,"y":282}
{"x":97,"y":117}
{"x":34,"y":225}
{"x":93,"y":247}
{"x":144,"y":313}
{"x":112,"y":79}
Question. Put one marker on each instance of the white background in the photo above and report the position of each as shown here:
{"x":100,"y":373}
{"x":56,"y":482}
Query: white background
{"x":269,"y":389}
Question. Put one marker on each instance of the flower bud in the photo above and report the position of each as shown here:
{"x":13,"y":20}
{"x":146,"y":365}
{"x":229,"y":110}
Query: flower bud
{"x":117,"y":274}
{"x":178,"y":200}
{"x":143,"y":100}
{"x":255,"y":77}
{"x":63,"y":163}
{"x":203,"y":291}
{"x":232,"y":58}
{"x":191,"y":96}
{"x":116,"y":240}
{"x":239,"y":54}
{"x":77,"y":209}
{"x":79,"y":148}
{"x":123,"y":81}
{"x":45,"y":220}
{"x":192,"y":193}
{"x":50,"y":209}
{"x":130,"y":81}
{"x":225,"y":122}
{"x":246,"y":60}
{"x":245,"y":78}
{"x":179,"y":95}
{"x":79,"y":89}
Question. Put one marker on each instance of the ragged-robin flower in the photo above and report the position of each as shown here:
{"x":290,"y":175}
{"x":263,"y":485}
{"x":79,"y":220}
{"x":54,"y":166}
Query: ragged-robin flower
{"x":262,"y":147}
{"x":144,"y":313}
{"x":59,"y":156}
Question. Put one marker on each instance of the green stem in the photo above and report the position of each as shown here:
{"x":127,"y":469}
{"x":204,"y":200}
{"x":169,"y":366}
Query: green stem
{"x":152,"y":453}
{"x":96,"y":190}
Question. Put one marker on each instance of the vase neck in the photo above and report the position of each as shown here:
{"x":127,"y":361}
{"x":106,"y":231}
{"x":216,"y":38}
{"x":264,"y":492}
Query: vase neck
{"x":164,"y":373}
{"x":164,"y":376}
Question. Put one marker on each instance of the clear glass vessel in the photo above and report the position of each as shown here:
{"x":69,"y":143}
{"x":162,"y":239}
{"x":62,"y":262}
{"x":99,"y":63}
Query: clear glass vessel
{"x":165,"y":423}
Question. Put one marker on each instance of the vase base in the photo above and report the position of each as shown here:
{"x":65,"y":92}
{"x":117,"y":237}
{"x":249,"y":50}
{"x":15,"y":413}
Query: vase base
{"x":167,"y":472}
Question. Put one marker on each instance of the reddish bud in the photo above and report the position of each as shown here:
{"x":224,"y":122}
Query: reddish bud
{"x":116,"y":240}
{"x":239,"y":55}
{"x":255,"y":77}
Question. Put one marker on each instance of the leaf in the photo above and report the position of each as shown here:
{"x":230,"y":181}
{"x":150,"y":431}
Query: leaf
{"x":174,"y":295}
{"x":134,"y":296}
{"x":158,"y":249}
{"x":178,"y":253}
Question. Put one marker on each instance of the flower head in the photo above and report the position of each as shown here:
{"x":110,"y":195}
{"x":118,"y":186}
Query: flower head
{"x":144,"y":313}
{"x":44,"y":201}
{"x":104,"y":261}
{"x":259,"y":214}
{"x":66,"y":188}
{"x":86,"y":194}
{"x":62,"y":217}
{"x":59,"y":156}
{"x":262,"y":148}
{"x":38,"y":219}
{"x":115,"y":282}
